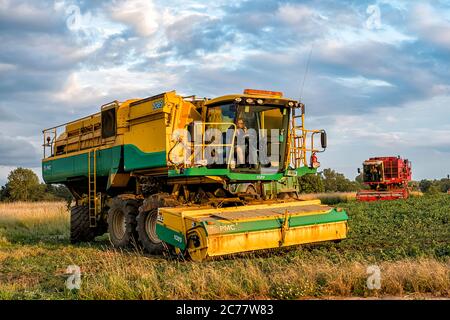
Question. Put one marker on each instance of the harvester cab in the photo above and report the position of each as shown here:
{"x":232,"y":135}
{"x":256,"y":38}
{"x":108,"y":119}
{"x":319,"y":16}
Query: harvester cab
{"x":386,"y":177}
{"x":260,"y":129}
{"x":373,"y":171}
{"x":199,"y":177}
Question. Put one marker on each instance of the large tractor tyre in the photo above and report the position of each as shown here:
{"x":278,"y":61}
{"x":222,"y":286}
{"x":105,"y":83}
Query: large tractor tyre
{"x":80,"y":230}
{"x":122,"y":222}
{"x":146,"y":229}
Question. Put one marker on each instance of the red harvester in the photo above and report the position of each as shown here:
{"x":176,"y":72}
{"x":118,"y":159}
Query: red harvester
{"x":387,"y":178}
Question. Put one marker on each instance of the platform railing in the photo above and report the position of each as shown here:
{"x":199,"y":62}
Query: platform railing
{"x":203,"y":144}
{"x":58,"y":136}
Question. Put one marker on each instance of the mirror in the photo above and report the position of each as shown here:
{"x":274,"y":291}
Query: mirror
{"x":323,"y":139}
{"x":302,"y":108}
{"x":359,"y":170}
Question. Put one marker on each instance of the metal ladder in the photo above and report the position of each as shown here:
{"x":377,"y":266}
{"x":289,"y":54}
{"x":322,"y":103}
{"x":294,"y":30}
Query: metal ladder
{"x":298,"y":139}
{"x":92,"y":187}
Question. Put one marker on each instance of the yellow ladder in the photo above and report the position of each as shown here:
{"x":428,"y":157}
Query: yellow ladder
{"x":298,"y":139}
{"x":92,"y":187}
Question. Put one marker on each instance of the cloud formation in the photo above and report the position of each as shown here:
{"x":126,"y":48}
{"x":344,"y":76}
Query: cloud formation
{"x":378,"y":88}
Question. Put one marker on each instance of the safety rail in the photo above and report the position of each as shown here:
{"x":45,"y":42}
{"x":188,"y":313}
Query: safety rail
{"x":203,"y":145}
{"x":298,"y":141}
{"x":59,"y":141}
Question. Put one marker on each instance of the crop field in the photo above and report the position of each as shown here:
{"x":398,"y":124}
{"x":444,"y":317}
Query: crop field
{"x":409,"y":241}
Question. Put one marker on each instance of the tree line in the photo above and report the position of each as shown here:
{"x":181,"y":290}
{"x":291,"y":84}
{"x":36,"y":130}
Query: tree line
{"x":23,"y":185}
{"x":329,"y":180}
{"x":434,"y":186}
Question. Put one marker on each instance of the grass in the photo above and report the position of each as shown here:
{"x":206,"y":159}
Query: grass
{"x":26,"y":222}
{"x":408,"y":240}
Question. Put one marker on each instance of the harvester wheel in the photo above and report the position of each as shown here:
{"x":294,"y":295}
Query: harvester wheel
{"x":122,"y":222}
{"x":146,"y":229}
{"x":197,"y":246}
{"x":80,"y":230}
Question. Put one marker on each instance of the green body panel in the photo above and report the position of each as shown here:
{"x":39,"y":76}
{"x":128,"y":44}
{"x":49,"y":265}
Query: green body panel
{"x":108,"y":161}
{"x":62,"y":169}
{"x":236,"y":176}
{"x":170,"y":236}
{"x":203,"y":171}
{"x":177,"y":239}
{"x":135,"y":159}
{"x":296,"y":221}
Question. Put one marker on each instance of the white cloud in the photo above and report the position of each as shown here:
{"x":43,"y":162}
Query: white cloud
{"x":7,"y":67}
{"x":360,"y":82}
{"x":431,"y":24}
{"x":419,"y":124}
{"x":140,"y":15}
{"x":116,"y":82}
{"x":131,"y":49}
{"x":75,"y":90}
{"x":419,"y":131}
{"x":295,"y":14}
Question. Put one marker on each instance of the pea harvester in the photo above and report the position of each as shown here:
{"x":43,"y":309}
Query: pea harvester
{"x":387,"y":178}
{"x":140,"y":170}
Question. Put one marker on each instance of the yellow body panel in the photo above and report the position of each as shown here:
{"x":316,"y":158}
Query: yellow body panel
{"x":195,"y":214}
{"x":197,"y":211}
{"x":152,"y":121}
{"x":217,"y":227}
{"x":233,"y":243}
{"x":147,"y":124}
{"x":84,"y":123}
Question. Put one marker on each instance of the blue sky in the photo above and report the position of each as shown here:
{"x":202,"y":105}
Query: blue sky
{"x":378,"y":79}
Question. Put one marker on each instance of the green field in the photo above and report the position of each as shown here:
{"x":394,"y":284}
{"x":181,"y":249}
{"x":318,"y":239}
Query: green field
{"x":408,"y":240}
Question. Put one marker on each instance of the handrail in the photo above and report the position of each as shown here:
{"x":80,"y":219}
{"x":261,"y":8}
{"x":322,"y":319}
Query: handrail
{"x":71,"y":122}
{"x":50,"y":137}
{"x":297,"y":141}
{"x":204,"y":124}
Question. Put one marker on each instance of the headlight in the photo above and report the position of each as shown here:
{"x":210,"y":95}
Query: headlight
{"x":260,"y":101}
{"x":238,"y":99}
{"x":249,"y":101}
{"x":291,"y":104}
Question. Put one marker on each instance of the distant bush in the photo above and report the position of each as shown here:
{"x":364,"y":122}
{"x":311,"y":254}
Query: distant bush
{"x":23,"y":185}
{"x":336,"y":182}
{"x":434,"y":186}
{"x":328,"y":181}
{"x":311,"y":183}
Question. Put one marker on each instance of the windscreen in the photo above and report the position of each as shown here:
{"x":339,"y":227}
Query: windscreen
{"x":373,"y":172}
{"x":259,"y":133}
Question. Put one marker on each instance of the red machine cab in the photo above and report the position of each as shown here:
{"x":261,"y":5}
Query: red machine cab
{"x":387,"y":178}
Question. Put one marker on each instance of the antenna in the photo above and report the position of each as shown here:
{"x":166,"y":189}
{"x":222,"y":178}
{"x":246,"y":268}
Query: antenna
{"x":306,"y":72}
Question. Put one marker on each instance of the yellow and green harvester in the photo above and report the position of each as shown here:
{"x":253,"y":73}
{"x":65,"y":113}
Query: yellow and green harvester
{"x":151,"y":174}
